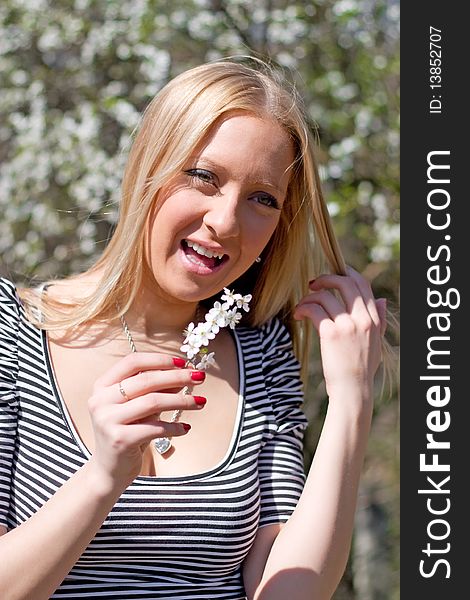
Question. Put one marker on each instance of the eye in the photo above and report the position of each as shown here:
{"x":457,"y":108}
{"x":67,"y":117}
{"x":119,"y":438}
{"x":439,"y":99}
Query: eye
{"x":266,"y":200}
{"x":202,"y":175}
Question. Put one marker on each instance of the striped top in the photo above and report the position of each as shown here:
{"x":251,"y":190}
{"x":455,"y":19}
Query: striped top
{"x":180,"y":537}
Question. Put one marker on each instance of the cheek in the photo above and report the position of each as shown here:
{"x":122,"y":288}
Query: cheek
{"x":262,"y":233}
{"x":169,"y":221}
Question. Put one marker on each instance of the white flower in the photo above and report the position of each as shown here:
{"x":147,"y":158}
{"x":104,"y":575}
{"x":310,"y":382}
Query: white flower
{"x":243,"y":301}
{"x":211,"y":320}
{"x":229,"y":297}
{"x":188,"y":332}
{"x":204,"y":333}
{"x":190,"y":349}
{"x":206,"y":361}
{"x":220,"y":315}
{"x":233,"y":317}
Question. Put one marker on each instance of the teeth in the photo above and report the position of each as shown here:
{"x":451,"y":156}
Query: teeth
{"x":203,"y":251}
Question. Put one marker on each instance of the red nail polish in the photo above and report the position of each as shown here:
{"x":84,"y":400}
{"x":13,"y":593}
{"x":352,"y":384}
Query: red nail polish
{"x":200,"y":400}
{"x":179,"y":362}
{"x":198,"y":375}
{"x":186,"y":426}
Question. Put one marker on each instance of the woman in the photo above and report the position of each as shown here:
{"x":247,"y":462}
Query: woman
{"x":220,"y":192}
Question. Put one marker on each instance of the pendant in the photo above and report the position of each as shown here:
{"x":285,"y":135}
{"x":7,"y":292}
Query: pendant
{"x":162,"y":445}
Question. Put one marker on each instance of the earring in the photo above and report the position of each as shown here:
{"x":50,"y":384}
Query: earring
{"x":258,"y":260}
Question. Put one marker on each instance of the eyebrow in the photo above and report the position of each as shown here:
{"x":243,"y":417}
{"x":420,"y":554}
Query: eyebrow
{"x":201,"y":161}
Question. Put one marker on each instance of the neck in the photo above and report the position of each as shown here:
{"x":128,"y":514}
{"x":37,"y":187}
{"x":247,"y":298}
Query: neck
{"x":154,"y":318}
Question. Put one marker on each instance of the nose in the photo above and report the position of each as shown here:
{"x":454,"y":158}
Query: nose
{"x":222,"y":216}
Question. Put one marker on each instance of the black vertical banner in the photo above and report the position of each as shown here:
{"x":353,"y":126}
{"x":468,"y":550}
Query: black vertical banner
{"x":435,"y":341}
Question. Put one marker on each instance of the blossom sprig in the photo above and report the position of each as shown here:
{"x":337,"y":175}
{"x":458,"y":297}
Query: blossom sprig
{"x":222,"y":314}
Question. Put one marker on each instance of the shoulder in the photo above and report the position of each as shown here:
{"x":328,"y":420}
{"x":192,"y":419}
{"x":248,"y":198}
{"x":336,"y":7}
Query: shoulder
{"x":276,"y":345}
{"x":283,"y":385}
{"x":10,"y":312}
{"x":10,"y":304}
{"x":272,"y":345}
{"x":41,"y":304}
{"x":275,"y":333}
{"x":7,"y":291}
{"x":267,"y":340}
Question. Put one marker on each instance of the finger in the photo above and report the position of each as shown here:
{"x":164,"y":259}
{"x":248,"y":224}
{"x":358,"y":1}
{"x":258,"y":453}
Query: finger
{"x":381,"y":305}
{"x":156,"y":381}
{"x":366,"y":291}
{"x":330,"y":304}
{"x":348,"y":290}
{"x":150,"y":429}
{"x":135,"y":363}
{"x":316,"y":314}
{"x":154,"y":404}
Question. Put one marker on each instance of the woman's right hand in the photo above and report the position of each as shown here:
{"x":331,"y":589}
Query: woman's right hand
{"x":124,"y":424}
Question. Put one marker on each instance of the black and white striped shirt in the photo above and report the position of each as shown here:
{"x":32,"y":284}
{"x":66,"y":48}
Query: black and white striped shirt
{"x":166,"y":538}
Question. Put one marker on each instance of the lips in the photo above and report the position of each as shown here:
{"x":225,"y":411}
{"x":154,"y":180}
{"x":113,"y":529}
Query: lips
{"x":199,"y":262}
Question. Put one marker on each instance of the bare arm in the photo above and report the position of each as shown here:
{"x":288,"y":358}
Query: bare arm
{"x":37,"y":555}
{"x":308,"y":556}
{"x":314,"y":544}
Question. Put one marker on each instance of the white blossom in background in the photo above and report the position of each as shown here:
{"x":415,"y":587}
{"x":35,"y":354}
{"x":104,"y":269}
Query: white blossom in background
{"x":333,"y":208}
{"x":77,"y":74}
{"x":202,"y":26}
{"x":388,"y":234}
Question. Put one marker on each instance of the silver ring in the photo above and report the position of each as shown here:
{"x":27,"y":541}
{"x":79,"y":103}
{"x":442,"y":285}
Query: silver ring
{"x":123,"y":392}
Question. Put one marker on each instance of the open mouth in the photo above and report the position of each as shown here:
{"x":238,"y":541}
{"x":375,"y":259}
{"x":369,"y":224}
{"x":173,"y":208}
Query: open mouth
{"x":202,"y":257}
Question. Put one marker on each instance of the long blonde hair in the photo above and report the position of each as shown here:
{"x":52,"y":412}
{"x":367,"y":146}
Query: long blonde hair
{"x":173,"y":124}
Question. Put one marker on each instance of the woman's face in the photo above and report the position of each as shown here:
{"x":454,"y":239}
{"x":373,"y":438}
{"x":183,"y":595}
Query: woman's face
{"x":219,"y":213}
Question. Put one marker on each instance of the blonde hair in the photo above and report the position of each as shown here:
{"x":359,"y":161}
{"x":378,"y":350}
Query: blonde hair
{"x":173,"y":124}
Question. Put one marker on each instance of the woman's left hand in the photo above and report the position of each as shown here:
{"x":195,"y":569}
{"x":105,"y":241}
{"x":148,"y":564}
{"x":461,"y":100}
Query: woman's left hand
{"x":350,"y":328}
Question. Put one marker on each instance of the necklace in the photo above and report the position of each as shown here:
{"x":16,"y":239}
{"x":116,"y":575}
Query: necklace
{"x":163,"y":444}
{"x":196,"y":340}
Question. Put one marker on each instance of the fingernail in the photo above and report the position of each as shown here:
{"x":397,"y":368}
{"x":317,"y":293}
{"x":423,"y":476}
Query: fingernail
{"x":200,"y":400}
{"x":186,"y":426}
{"x":198,"y":375}
{"x":179,"y":362}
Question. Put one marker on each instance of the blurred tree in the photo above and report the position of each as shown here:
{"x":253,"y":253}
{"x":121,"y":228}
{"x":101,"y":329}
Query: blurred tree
{"x":75,"y":76}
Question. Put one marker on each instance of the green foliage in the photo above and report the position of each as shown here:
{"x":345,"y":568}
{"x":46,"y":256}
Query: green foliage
{"x":75,"y":76}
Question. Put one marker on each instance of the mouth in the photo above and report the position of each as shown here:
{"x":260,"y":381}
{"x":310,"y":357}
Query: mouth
{"x":202,"y":258}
